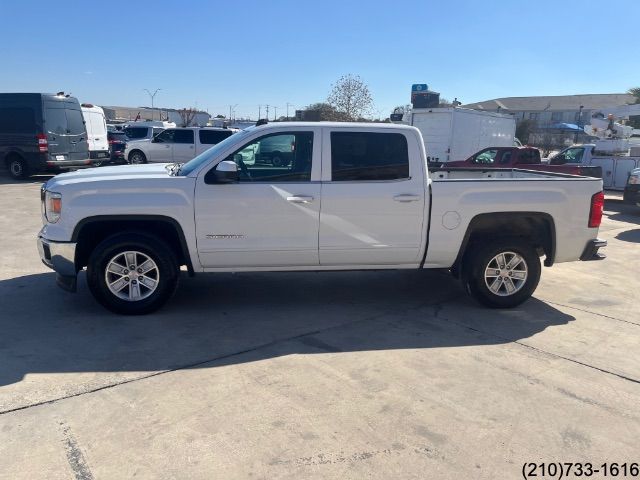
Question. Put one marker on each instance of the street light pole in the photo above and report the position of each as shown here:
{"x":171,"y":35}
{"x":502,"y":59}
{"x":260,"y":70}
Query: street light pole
{"x":288,"y":105}
{"x":153,"y":96}
{"x":275,"y":113}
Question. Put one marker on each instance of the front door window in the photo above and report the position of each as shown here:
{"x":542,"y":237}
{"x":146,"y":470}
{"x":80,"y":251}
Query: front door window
{"x":281,"y":157}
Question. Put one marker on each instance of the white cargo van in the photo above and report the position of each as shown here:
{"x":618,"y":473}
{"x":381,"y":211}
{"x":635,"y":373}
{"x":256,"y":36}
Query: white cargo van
{"x":96,"y":125}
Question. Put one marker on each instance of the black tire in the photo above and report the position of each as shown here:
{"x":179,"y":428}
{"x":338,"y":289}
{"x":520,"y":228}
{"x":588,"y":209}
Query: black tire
{"x":137,"y":158}
{"x":152,"y":247}
{"x":18,"y":167}
{"x":482,"y":256}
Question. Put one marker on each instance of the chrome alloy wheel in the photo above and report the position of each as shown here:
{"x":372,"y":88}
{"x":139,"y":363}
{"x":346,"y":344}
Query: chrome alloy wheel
{"x":132,"y":276}
{"x":506,"y":274}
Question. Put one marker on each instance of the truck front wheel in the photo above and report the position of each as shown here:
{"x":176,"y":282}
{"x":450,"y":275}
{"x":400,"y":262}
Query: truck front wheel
{"x":132,"y":274}
{"x":502,"y":273}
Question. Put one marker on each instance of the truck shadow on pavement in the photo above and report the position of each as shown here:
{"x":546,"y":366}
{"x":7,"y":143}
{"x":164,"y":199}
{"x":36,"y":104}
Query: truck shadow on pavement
{"x":622,"y":212}
{"x":5,"y":179}
{"x":233,"y":318}
{"x":629,"y":236}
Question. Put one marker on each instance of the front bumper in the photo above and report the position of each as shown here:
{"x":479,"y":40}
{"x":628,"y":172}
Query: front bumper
{"x":60,"y":257}
{"x":591,"y":250}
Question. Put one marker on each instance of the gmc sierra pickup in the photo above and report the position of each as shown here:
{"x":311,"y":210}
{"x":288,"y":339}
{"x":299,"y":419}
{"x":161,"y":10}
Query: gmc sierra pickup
{"x":352,"y":196}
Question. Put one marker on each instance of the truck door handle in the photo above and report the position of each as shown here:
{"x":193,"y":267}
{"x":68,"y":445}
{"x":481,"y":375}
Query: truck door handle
{"x":299,"y":199}
{"x":406,"y":198}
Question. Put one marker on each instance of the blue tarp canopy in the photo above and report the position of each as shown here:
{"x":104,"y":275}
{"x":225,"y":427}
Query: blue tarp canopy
{"x":564,"y":126}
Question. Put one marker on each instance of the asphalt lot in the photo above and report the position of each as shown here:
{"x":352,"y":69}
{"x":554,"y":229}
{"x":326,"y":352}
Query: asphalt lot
{"x":317,"y":375}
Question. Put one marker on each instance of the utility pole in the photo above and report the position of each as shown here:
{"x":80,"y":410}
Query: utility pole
{"x":231,"y":110}
{"x":288,"y":105}
{"x":267,"y":111}
{"x":153,"y":96}
{"x":275,"y":113}
{"x":259,"y":111}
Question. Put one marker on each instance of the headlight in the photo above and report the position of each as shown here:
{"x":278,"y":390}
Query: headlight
{"x":52,"y":206}
{"x":634,"y":179}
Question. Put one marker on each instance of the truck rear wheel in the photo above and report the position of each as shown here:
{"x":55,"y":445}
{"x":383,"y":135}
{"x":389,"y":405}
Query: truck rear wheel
{"x":132,"y":274}
{"x":502,"y":273}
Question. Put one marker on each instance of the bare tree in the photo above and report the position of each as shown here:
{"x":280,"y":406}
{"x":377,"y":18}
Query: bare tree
{"x":187,"y":115}
{"x":351,"y":96}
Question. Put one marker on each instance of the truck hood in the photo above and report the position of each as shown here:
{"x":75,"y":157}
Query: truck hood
{"x":121,"y":172}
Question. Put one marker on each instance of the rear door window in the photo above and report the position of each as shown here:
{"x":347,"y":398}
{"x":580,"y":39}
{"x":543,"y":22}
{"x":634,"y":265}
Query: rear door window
{"x":211,"y":137}
{"x":135,"y":133}
{"x":506,"y":157}
{"x":98,"y":126}
{"x":75,"y":122}
{"x":17,"y":120}
{"x":363,"y":156}
{"x":56,"y":120}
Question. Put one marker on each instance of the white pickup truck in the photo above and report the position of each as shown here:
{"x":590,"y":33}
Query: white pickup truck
{"x":352,"y":196}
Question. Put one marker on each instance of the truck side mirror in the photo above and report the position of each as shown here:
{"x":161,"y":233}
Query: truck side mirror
{"x":225,"y":172}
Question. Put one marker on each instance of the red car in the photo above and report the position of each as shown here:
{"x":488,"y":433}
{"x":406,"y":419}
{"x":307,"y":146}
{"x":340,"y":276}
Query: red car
{"x":527,"y":158}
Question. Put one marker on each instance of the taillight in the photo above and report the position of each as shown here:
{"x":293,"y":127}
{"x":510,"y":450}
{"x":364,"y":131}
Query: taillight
{"x":43,"y":144}
{"x":595,"y":213}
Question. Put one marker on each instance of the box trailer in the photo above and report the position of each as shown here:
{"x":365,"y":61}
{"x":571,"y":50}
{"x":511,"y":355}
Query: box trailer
{"x":454,"y":133}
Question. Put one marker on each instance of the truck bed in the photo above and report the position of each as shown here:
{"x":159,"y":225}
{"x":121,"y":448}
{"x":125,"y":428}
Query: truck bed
{"x":460,"y":195}
{"x":457,"y":173}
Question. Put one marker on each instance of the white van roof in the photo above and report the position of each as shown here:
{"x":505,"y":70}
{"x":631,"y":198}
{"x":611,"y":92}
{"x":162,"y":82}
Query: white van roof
{"x":88,"y":107}
{"x":147,"y":123}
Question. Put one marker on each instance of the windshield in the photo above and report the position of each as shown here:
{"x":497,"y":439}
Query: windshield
{"x":207,"y":155}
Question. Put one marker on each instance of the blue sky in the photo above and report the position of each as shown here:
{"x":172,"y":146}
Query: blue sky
{"x":212,"y":54}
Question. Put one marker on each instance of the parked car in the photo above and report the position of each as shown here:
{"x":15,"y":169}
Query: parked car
{"x":96,"y":125}
{"x":117,"y":146}
{"x":632,"y":189}
{"x":355,"y":196}
{"x":41,"y":132}
{"x":521,"y":157}
{"x":176,"y":144}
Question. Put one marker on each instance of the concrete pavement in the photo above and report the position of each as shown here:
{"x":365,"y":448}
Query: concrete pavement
{"x":317,"y":375}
